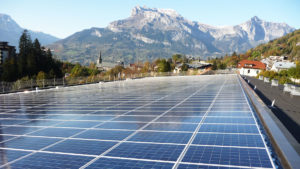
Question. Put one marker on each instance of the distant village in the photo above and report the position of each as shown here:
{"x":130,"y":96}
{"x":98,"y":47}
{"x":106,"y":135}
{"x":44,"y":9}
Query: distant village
{"x":272,"y":63}
{"x":192,"y":65}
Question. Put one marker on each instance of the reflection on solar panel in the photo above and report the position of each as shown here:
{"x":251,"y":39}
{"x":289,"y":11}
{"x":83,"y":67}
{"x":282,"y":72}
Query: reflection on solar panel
{"x":170,"y":122}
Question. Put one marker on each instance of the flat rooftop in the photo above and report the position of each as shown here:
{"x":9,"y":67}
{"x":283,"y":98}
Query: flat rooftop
{"x":164,"y":122}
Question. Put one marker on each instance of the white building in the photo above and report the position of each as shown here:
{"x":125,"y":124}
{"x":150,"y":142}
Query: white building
{"x":250,"y":68}
{"x":278,"y":66}
{"x":269,"y":61}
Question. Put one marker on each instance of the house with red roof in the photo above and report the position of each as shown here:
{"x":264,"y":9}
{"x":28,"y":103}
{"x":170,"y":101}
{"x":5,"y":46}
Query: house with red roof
{"x":250,"y":67}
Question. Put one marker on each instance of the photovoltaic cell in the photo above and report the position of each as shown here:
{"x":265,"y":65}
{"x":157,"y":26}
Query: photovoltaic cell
{"x":232,"y":120}
{"x":82,"y":147}
{"x":162,"y":137}
{"x":228,"y":156}
{"x":50,"y":161}
{"x":122,"y":125}
{"x":171,"y":127}
{"x":10,"y":155}
{"x":56,"y":132}
{"x":230,"y":128}
{"x":105,"y":163}
{"x":147,"y":151}
{"x":104,"y":134}
{"x":31,"y":143}
{"x":229,"y":140}
{"x":193,"y":166}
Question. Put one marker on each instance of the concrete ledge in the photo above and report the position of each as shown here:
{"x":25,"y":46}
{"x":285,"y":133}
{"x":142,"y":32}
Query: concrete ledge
{"x":286,"y":153}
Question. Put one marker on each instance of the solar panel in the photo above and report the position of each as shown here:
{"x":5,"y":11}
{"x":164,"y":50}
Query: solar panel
{"x":169,"y":122}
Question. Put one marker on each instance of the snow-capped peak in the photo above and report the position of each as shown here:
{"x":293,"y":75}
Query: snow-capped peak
{"x":153,"y":11}
{"x":255,"y":19}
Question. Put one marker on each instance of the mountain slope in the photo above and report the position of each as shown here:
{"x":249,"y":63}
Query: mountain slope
{"x":152,"y":33}
{"x":10,"y":31}
{"x":288,"y":45}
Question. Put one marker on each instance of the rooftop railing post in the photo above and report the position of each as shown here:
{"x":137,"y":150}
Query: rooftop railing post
{"x":2,"y":87}
{"x":31,"y":85}
{"x":63,"y":81}
{"x":54,"y":82}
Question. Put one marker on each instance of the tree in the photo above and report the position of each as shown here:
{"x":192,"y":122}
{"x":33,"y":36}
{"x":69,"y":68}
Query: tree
{"x":176,"y":58}
{"x":25,"y":45}
{"x":222,"y":65}
{"x":164,"y":66}
{"x":184,"y":67}
{"x":214,"y":65}
{"x":10,"y":70}
{"x":79,"y":70}
{"x":146,"y":67}
{"x":294,"y":72}
{"x":41,"y":75}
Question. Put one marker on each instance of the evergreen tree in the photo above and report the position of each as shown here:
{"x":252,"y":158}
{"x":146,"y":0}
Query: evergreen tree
{"x":10,"y":70}
{"x":25,"y":45}
{"x":38,"y":55}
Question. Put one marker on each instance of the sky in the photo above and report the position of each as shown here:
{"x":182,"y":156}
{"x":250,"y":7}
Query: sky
{"x":62,"y":18}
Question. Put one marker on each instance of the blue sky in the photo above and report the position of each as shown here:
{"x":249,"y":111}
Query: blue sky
{"x":62,"y":18}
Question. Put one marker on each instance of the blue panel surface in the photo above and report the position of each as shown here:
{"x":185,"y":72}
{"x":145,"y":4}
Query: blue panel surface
{"x":147,"y":151}
{"x":144,"y":123}
{"x":122,"y":125}
{"x":181,"y":119}
{"x":184,"y":113}
{"x":10,"y":155}
{"x":229,"y":128}
{"x":41,"y":123}
{"x":171,"y":127}
{"x":233,"y":120}
{"x":228,"y":156}
{"x":31,"y":143}
{"x":104,"y":134}
{"x":193,"y":166}
{"x":229,"y":113}
{"x":51,"y":161}
{"x":82,"y":147}
{"x":229,"y":140}
{"x":161,"y":137}
{"x":56,"y":132}
{"x":19,"y":130}
{"x":96,"y":117}
{"x":105,"y":163}
{"x":135,"y":118}
{"x":78,"y":124}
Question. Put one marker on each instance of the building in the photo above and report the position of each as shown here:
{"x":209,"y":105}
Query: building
{"x":135,"y":66}
{"x":251,"y":68}
{"x":269,"y":61}
{"x":278,"y":66}
{"x":120,"y":63}
{"x":99,"y":62}
{"x":6,"y":51}
{"x":199,"y":66}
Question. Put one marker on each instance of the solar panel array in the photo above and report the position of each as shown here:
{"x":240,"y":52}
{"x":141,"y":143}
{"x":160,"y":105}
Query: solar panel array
{"x":169,"y":122}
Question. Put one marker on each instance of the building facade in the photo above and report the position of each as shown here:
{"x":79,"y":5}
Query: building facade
{"x":6,"y":51}
{"x":250,"y":68}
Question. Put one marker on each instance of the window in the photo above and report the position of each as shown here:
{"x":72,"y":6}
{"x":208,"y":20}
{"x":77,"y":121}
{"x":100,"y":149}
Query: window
{"x":257,"y":72}
{"x":249,"y":71}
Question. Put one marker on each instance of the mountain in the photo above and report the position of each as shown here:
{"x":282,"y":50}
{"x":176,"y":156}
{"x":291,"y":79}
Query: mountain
{"x":151,"y":33}
{"x":10,"y":31}
{"x":288,"y":45}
